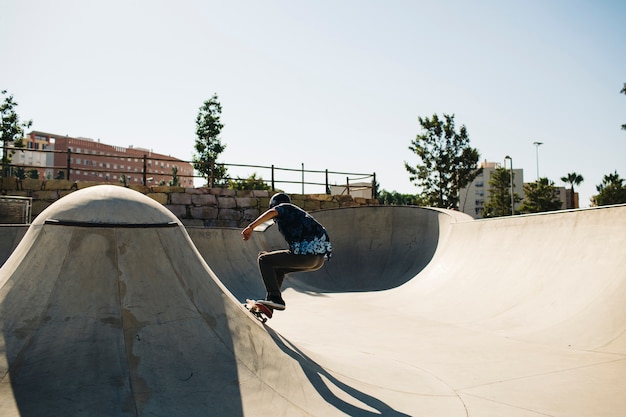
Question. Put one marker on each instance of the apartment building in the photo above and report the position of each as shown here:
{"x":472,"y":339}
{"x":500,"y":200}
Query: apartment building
{"x":472,"y":199}
{"x":33,"y":155}
{"x":91,"y":160}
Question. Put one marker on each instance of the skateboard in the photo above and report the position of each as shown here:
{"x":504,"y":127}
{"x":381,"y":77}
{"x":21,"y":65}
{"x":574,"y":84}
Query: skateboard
{"x":258,"y":310}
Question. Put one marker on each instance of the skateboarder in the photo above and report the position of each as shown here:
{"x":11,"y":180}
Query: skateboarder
{"x":309,"y":246}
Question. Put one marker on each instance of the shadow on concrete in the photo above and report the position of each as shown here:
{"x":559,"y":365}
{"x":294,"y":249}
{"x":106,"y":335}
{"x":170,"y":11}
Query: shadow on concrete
{"x":316,"y":375}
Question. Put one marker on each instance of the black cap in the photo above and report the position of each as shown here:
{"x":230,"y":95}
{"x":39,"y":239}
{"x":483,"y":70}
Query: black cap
{"x":279,"y":198}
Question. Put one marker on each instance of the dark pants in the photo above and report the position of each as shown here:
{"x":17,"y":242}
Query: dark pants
{"x":276,"y":264}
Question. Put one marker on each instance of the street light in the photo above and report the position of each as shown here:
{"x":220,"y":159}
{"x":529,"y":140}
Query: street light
{"x":537,"y":152}
{"x":512,"y":200}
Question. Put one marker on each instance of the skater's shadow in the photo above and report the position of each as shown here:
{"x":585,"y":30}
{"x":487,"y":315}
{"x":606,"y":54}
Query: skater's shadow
{"x":315,"y":372}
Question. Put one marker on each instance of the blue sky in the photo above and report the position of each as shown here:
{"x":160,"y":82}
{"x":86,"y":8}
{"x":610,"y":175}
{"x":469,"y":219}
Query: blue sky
{"x":335,"y":85}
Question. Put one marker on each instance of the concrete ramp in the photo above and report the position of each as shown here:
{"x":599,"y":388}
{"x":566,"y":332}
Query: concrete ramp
{"x":10,"y":237}
{"x":522,"y":316}
{"x":374,"y":248}
{"x":109,"y":307}
{"x":557,"y":279}
{"x":434,"y":314}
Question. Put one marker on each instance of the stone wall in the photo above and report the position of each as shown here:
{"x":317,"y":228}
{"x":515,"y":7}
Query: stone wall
{"x":208,"y":207}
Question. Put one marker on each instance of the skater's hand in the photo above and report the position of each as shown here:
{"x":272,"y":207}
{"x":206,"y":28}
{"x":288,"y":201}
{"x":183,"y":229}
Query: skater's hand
{"x":247,"y":233}
{"x":268,"y":215}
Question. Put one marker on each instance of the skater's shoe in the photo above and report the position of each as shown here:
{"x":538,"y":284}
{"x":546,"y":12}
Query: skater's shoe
{"x":276,"y":303}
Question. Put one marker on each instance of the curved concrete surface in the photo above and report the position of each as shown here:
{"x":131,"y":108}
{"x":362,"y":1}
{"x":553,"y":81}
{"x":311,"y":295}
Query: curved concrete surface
{"x":374,"y":248}
{"x":522,"y":316}
{"x":421,"y":312}
{"x":126,"y":319}
{"x":517,"y":317}
{"x":10,"y":236}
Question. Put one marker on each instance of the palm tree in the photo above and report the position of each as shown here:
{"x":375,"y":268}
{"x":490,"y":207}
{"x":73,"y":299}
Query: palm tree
{"x":611,"y":191}
{"x":573,"y":179}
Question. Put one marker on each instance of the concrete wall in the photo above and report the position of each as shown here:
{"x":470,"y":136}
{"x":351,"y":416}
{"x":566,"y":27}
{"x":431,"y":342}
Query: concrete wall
{"x":206,"y":207}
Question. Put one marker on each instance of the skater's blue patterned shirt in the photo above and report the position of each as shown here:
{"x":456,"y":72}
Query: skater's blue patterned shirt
{"x":302,"y":232}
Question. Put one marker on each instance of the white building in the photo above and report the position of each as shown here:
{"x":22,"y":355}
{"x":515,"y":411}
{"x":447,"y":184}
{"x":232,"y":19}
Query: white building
{"x":472,"y":199}
{"x":31,"y":156}
{"x":358,"y":189}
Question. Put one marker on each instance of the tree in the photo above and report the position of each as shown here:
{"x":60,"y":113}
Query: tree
{"x":20,"y":173}
{"x":208,"y":143}
{"x":174,"y":182}
{"x":447,"y":162}
{"x":572,"y":179}
{"x":11,"y":131}
{"x":611,"y":191}
{"x":540,"y":196}
{"x":499,"y":203}
{"x":250,"y":183}
{"x":395,"y":198}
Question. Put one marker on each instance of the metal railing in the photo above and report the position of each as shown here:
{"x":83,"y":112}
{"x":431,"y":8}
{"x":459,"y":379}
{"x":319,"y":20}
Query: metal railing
{"x":348,"y":181}
{"x":16,"y":210}
{"x":333,"y":182}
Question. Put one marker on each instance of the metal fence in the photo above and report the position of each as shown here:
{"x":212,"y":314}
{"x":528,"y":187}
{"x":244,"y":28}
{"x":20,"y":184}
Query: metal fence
{"x":274,"y":178}
{"x":15,"y":210}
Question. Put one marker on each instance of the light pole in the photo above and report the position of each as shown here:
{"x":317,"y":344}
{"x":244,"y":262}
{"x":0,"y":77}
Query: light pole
{"x":512,"y":200}
{"x":537,"y":153}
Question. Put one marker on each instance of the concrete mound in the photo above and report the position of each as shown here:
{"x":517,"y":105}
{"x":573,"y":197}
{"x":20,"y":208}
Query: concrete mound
{"x":107,"y":309}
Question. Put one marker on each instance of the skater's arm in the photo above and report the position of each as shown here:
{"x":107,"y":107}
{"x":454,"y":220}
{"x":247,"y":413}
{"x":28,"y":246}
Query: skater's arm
{"x":268,"y":215}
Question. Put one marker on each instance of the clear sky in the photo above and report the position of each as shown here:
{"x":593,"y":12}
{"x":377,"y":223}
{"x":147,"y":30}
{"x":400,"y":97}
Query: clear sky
{"x":335,"y":85}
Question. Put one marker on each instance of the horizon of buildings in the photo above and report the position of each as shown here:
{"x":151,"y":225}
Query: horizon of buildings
{"x":84,"y":159}
{"x":87,"y":159}
{"x":472,"y":198}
